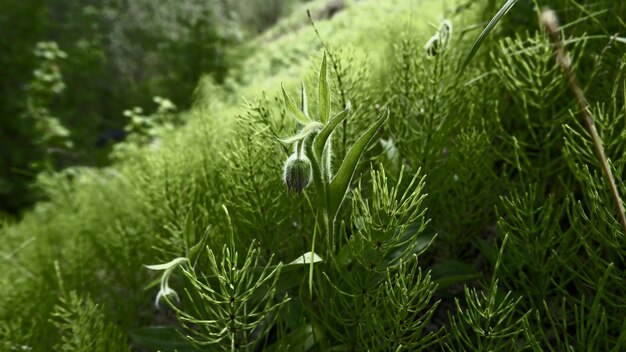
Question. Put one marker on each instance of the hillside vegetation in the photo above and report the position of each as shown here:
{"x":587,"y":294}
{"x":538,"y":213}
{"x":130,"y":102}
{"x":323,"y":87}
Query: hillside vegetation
{"x":448,"y":207}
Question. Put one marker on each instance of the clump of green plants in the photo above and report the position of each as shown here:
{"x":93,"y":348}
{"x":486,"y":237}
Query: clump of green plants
{"x":454,"y":202}
{"x":45,"y":86}
{"x":143,"y":130}
{"x":84,"y":327}
{"x":362,"y":285}
{"x":313,"y":155}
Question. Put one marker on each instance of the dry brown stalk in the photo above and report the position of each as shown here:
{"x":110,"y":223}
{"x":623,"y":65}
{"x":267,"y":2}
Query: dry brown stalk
{"x":550,"y":22}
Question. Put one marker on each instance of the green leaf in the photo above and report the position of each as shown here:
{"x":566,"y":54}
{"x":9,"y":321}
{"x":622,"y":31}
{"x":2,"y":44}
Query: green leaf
{"x":195,"y":250}
{"x":307,"y":258}
{"x":303,"y":102}
{"x":340,"y":183}
{"x":152,"y":284}
{"x":189,"y":229}
{"x":324,"y":134}
{"x":298,"y":115}
{"x":290,"y":277}
{"x":324,"y":92}
{"x":487,"y":251}
{"x":451,"y":272}
{"x":161,"y":338}
{"x":309,"y":128}
{"x":345,"y":256}
{"x":620,"y":40}
{"x":481,"y":38}
{"x":300,"y":339}
{"x":416,"y":245}
{"x":168,"y":265}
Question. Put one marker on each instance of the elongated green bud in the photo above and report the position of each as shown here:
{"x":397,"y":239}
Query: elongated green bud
{"x":297,"y":172}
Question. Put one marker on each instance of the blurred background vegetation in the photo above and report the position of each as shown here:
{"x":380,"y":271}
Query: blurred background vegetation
{"x":71,"y":73}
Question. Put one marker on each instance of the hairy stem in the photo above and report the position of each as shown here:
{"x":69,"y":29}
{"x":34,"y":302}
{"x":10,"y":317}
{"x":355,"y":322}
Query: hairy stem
{"x":321,"y":185}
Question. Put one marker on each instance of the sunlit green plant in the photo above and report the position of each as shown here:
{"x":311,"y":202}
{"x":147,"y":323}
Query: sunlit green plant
{"x":145,"y":129}
{"x":233,"y":305}
{"x":313,"y":148}
{"x":559,"y":281}
{"x":45,"y":86}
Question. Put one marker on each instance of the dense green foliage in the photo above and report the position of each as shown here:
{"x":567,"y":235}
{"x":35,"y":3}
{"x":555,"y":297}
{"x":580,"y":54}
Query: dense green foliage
{"x":477,"y":217}
{"x":116,"y":55}
{"x":71,"y":69}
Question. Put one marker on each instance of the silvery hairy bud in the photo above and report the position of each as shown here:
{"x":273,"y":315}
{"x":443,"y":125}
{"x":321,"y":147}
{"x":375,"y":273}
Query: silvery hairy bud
{"x":432,"y":46}
{"x":439,"y":42}
{"x":298,"y":172}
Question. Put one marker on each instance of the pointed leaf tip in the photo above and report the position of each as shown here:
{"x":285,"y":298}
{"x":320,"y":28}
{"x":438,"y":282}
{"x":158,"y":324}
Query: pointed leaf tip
{"x":307,"y":258}
{"x":322,"y":137}
{"x":296,"y":113}
{"x":340,"y":183}
{"x":303,"y":101}
{"x":324,"y":92}
{"x":304,"y":132}
{"x":483,"y":35}
{"x":167,"y":265}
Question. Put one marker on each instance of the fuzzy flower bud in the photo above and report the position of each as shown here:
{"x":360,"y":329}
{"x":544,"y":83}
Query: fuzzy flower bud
{"x":297,"y":172}
{"x":439,"y":42}
{"x":432,"y":46}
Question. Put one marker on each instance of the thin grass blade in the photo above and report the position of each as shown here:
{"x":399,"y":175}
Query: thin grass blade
{"x":483,"y":35}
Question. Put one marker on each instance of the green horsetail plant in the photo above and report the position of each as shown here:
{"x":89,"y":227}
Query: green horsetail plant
{"x":382,"y":239}
{"x":234,"y":306}
{"x":406,"y":308}
{"x":489,"y":321}
{"x":581,"y":326}
{"x":375,"y":295}
{"x":84,"y":327}
{"x":313,"y":147}
{"x":369,"y":283}
{"x":550,"y":23}
{"x":483,"y":35}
